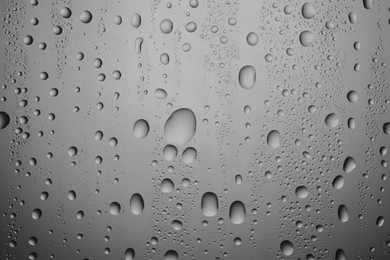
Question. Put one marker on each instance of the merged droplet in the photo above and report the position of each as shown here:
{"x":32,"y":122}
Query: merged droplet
{"x":180,"y":127}
{"x":343,"y":213}
{"x":274,"y":139}
{"x":349,"y":164}
{"x":247,"y":77}
{"x":137,"y":204}
{"x":237,"y":212}
{"x":4,"y":120}
{"x":141,"y":128}
{"x":287,"y":248}
{"x":209,"y":204}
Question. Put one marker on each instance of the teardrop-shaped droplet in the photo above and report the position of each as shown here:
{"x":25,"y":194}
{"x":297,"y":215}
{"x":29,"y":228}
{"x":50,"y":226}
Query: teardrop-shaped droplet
{"x":237,"y":212}
{"x":180,"y":127}
{"x":349,"y":164}
{"x":343,"y":213}
{"x":209,"y":204}
{"x":137,"y":204}
{"x":273,"y":139}
{"x":247,"y":77}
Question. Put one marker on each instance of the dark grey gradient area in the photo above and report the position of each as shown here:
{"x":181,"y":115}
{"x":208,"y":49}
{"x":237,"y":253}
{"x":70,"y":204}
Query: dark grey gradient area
{"x":194,"y":129}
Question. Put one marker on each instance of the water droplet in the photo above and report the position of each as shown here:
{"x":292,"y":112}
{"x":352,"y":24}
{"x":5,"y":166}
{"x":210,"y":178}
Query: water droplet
{"x":166,"y":26}
{"x":135,"y":20}
{"x":176,"y":225}
{"x":338,"y":182}
{"x":160,"y":93}
{"x":209,"y":204}
{"x":331,"y":120}
{"x":247,"y":77}
{"x":171,"y":255}
{"x":301,"y":192}
{"x":349,"y":164}
{"x":167,"y":185}
{"x":273,"y":139}
{"x":252,"y":39}
{"x":340,"y":255}
{"x":287,"y":248}
{"x":72,"y":151}
{"x":137,"y":204}
{"x":164,"y":58}
{"x":115,"y":208}
{"x":85,"y":17}
{"x":306,"y":38}
{"x":170,"y":152}
{"x":352,"y":96}
{"x":129,"y":254}
{"x":65,"y":12}
{"x":141,"y":128}
{"x":189,"y":155}
{"x":180,"y":127}
{"x":386,"y":128}
{"x":71,"y":195}
{"x":36,"y":214}
{"x":343,"y":213}
{"x":191,"y":27}
{"x":4,"y":120}
{"x":380,"y":221}
{"x":368,"y":4}
{"x":237,"y":212}
{"x":308,"y":10}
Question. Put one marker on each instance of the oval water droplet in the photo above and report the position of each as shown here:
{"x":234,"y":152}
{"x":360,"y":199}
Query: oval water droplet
{"x":380,"y":221}
{"x":368,"y":4}
{"x":252,"y":39}
{"x":85,"y":17}
{"x":180,"y":127}
{"x":135,"y":20}
{"x":129,"y":254}
{"x":167,"y":185}
{"x":343,"y":213}
{"x":338,"y":182}
{"x":141,"y":128}
{"x":189,"y":155}
{"x":115,"y":208}
{"x":349,"y":164}
{"x":170,"y":152}
{"x":308,"y":10}
{"x":37,"y":214}
{"x":340,"y":255}
{"x":209,"y":204}
{"x":237,"y":212}
{"x":137,"y":204}
{"x":273,"y":139}
{"x":287,"y":248}
{"x":386,"y":128}
{"x":247,"y":77}
{"x":160,"y":93}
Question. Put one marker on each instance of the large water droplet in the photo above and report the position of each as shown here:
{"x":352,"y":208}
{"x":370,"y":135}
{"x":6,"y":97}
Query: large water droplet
{"x":380,"y":221}
{"x":301,"y":192}
{"x":137,"y":204}
{"x":273,"y":139}
{"x":209,"y":204}
{"x":37,"y":214}
{"x":166,"y":26}
{"x":141,"y":128}
{"x":306,"y":38}
{"x":180,"y":127}
{"x":308,"y":10}
{"x":338,"y":182}
{"x":331,"y":120}
{"x":167,"y":185}
{"x":343,"y":213}
{"x":129,"y":254}
{"x":115,"y":208}
{"x":287,"y":248}
{"x":252,"y":39}
{"x":386,"y":128}
{"x":189,"y":155}
{"x":237,"y":212}
{"x":170,"y":152}
{"x":171,"y":255}
{"x":340,"y":255}
{"x":4,"y":120}
{"x":247,"y":77}
{"x":349,"y":164}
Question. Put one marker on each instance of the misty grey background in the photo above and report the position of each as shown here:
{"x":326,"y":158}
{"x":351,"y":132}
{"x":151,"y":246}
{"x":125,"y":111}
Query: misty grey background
{"x":34,"y":152}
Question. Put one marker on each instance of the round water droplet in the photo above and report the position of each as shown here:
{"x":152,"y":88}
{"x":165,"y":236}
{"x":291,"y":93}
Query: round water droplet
{"x":129,"y":254}
{"x":137,"y":204}
{"x":273,"y":139}
{"x":115,"y":208}
{"x":85,"y":17}
{"x":65,"y":12}
{"x":352,"y":96}
{"x":343,"y":213}
{"x":237,"y":212}
{"x":176,"y":225}
{"x":306,"y":38}
{"x":331,"y":120}
{"x":171,"y":255}
{"x":167,"y":185}
{"x":72,"y":151}
{"x":166,"y":26}
{"x":170,"y":152}
{"x":247,"y":77}
{"x":287,"y":248}
{"x":308,"y":10}
{"x":4,"y":120}
{"x":349,"y":164}
{"x":189,"y":155}
{"x":209,"y":204}
{"x":141,"y":128}
{"x":301,"y":192}
{"x":180,"y":127}
{"x":37,"y":214}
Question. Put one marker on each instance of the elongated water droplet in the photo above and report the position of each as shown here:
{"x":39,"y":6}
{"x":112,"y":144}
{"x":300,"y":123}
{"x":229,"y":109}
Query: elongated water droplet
{"x":141,"y":128}
{"x":340,"y":255}
{"x":343,"y":213}
{"x":247,"y":77}
{"x":189,"y":155}
{"x":4,"y":120}
{"x":129,"y":254}
{"x":237,"y":212}
{"x":349,"y":164}
{"x":338,"y":182}
{"x":209,"y":204}
{"x":137,"y":204}
{"x":308,"y":10}
{"x":273,"y":139}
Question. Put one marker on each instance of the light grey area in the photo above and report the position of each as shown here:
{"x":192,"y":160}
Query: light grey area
{"x":194,"y":129}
